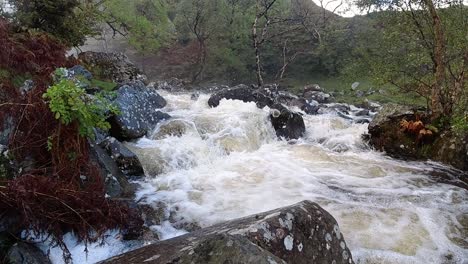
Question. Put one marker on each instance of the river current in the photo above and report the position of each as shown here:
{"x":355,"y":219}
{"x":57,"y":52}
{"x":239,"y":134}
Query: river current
{"x":226,"y":162}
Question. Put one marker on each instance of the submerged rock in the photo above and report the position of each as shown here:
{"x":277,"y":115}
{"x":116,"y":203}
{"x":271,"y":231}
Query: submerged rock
{"x":22,"y":253}
{"x":138,"y":111}
{"x":301,"y":233}
{"x":288,"y":124}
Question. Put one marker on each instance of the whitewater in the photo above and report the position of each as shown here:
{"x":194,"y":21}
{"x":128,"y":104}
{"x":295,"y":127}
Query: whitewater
{"x":226,"y":162}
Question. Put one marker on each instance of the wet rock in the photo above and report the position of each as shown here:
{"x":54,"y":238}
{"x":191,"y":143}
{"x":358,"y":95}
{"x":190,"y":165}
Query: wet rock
{"x":312,"y":87}
{"x":301,"y":233}
{"x":321,"y":97}
{"x":138,"y":111}
{"x":388,"y":113}
{"x":126,"y":160}
{"x":7,"y":166}
{"x":344,"y":108}
{"x":175,"y":127}
{"x":116,"y":182}
{"x":243,"y":93}
{"x":79,"y":70}
{"x":372,"y":106}
{"x":115,"y":67}
{"x":172,"y":85}
{"x":385,"y":134}
{"x":22,"y":253}
{"x":27,"y":86}
{"x":291,"y":100}
{"x":359,"y":93}
{"x":6,"y":130}
{"x":361,"y":112}
{"x":195,"y":96}
{"x":287,"y":124}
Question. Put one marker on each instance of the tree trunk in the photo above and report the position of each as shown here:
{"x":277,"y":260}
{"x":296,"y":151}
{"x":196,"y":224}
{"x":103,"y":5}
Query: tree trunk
{"x":257,"y":52}
{"x":440,"y":102}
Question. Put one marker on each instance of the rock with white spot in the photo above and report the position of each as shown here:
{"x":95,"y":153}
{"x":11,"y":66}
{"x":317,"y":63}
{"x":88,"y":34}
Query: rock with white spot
{"x":139,"y":112}
{"x":261,"y":238}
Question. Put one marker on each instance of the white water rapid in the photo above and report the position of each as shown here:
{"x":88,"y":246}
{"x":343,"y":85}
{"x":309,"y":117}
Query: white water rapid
{"x":228,"y":163}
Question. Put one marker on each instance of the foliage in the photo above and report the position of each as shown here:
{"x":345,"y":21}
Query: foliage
{"x":402,"y":48}
{"x":69,"y":102}
{"x":70,"y":21}
{"x":145,"y":21}
{"x":63,"y":190}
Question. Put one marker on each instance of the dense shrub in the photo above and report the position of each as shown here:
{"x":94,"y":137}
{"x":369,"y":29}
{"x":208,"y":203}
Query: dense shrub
{"x":61,"y":190}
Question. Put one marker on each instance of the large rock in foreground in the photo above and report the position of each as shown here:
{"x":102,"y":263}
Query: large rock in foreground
{"x":298,"y":234}
{"x":138,"y":111}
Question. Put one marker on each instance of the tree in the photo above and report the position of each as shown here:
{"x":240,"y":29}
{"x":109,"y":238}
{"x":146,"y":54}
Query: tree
{"x":70,"y":21}
{"x":423,"y":49}
{"x":145,"y":23}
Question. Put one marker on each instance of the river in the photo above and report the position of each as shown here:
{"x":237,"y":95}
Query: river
{"x":228,"y":163}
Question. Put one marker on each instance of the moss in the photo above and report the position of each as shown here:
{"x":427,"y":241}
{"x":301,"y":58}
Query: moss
{"x":104,"y":85}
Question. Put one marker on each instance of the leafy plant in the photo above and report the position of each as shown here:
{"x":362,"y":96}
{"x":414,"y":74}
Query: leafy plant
{"x":69,"y":103}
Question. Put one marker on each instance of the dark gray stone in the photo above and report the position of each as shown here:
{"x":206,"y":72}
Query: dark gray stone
{"x":388,"y":113}
{"x":79,"y":70}
{"x":287,"y":124}
{"x":243,"y":93}
{"x":127,"y":161}
{"x":299,"y":234}
{"x":321,"y":97}
{"x":27,"y":86}
{"x":116,"y":182}
{"x":22,"y":253}
{"x":138,"y":111}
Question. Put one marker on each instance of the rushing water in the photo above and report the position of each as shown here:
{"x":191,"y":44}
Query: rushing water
{"x":228,"y":163}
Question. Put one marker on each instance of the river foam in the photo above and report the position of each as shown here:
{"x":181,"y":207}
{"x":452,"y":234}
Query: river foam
{"x":226,"y":162}
{"x":231,"y":165}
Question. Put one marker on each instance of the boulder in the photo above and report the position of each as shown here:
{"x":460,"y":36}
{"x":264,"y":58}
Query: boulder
{"x":299,"y":234}
{"x":287,"y":124}
{"x":115,"y":67}
{"x":126,"y":160}
{"x":138,"y":111}
{"x":312,"y":87}
{"x":175,"y":127}
{"x":116,"y":182}
{"x":22,"y":253}
{"x":79,"y":70}
{"x":389,"y":113}
{"x":172,"y":85}
{"x":318,"y":96}
{"x":386,"y":134}
{"x":291,"y":100}
{"x":243,"y":93}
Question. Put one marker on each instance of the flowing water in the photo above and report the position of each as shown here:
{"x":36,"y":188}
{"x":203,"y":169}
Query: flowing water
{"x":226,"y":162}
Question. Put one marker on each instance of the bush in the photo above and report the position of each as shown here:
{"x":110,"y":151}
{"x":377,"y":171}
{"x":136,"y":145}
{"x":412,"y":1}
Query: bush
{"x":69,"y":102}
